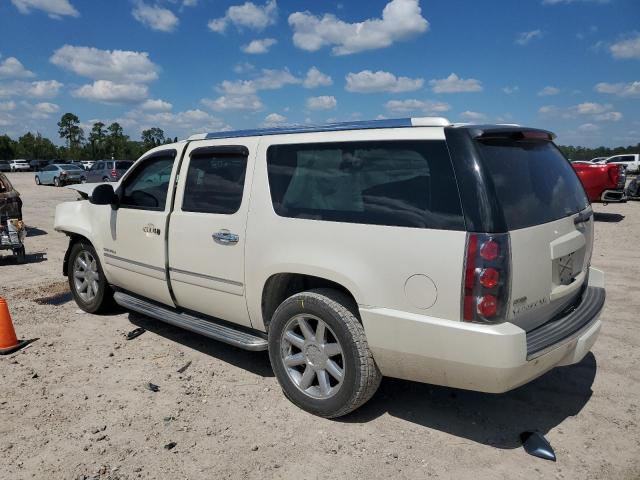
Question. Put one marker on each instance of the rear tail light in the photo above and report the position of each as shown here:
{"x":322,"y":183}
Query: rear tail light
{"x":622,"y":176}
{"x":485,"y":296}
{"x":114,"y":173}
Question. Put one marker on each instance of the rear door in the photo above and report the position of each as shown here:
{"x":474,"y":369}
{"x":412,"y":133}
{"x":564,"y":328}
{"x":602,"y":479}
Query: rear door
{"x":207,"y":229}
{"x":550,"y":222}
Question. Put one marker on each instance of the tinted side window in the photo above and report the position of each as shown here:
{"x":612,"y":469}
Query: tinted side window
{"x":146,"y":188}
{"x":396,"y":183}
{"x":214,"y":184}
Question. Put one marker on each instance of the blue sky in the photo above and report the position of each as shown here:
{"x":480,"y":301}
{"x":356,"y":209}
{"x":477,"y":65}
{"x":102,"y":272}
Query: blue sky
{"x":187,"y":66}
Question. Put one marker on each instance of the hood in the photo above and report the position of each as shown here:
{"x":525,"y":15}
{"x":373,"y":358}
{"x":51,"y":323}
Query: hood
{"x":85,"y":189}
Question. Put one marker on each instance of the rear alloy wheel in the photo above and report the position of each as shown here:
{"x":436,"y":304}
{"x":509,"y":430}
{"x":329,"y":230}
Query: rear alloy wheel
{"x":106,"y":179}
{"x":320,"y":355}
{"x":88,"y":284}
{"x":37,"y":180}
{"x":56,"y":181}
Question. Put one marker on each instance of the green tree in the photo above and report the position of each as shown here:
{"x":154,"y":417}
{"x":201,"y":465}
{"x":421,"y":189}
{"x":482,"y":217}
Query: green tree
{"x":97,"y":138}
{"x":69,"y":129}
{"x":152,"y":137}
{"x":116,"y":141}
{"x":7,"y":148}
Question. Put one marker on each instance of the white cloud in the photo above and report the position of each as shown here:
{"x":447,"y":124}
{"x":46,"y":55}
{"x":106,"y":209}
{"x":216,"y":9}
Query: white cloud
{"x":401,"y":20}
{"x":46,"y":107}
{"x":183,"y":123}
{"x":627,"y":49}
{"x":11,"y":67}
{"x":39,"y":89}
{"x":274,"y":120}
{"x":631,"y":89}
{"x":259,"y":46}
{"x":39,"y":110}
{"x":156,"y":105}
{"x":455,"y":84}
{"x":511,"y":90}
{"x":243,"y":67}
{"x":315,"y":78}
{"x":120,"y":66}
{"x":588,"y":128}
{"x":609,"y":117}
{"x":224,"y":103}
{"x":367,"y":81}
{"x":324,"y":102}
{"x":7,"y":106}
{"x":590,"y":108}
{"x":106,"y":91}
{"x":427,"y":107}
{"x":43,"y":88}
{"x":473,"y":116}
{"x":248,"y":15}
{"x":55,"y":8}
{"x":155,"y":17}
{"x":548,"y":91}
{"x":525,"y":38}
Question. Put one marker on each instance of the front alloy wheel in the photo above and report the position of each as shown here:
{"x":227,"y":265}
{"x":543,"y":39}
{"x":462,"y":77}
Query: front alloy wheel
{"x":87,"y":282}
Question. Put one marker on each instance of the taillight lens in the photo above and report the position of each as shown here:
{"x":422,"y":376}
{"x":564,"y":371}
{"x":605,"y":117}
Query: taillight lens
{"x":486,"y":278}
{"x":114,"y":173}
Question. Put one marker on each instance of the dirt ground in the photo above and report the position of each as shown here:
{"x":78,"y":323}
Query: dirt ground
{"x":74,"y":404}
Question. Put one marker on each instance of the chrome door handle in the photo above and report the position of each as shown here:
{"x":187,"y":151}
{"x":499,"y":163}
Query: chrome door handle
{"x":226,"y":237}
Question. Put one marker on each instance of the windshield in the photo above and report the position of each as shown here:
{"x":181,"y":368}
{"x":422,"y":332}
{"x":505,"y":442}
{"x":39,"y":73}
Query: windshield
{"x":534,"y":183}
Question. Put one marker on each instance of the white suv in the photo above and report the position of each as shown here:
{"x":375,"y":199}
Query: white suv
{"x":19,"y":165}
{"x":630,"y":161}
{"x":455,"y":255}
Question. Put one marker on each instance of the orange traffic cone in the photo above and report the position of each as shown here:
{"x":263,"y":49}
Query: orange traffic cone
{"x":9,"y":343}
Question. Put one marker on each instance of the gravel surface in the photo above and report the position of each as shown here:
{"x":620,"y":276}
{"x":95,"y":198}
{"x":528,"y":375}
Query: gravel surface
{"x":77,"y":402}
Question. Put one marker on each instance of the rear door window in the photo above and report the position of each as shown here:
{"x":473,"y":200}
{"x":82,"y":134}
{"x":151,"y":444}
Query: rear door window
{"x":533,"y":181}
{"x":395,"y":183}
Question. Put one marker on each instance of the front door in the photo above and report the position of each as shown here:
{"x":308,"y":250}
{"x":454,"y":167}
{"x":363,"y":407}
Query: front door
{"x":134,"y":253}
{"x":207,"y":229}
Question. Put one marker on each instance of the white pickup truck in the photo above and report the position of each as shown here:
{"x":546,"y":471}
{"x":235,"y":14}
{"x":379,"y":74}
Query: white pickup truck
{"x":456,"y":255}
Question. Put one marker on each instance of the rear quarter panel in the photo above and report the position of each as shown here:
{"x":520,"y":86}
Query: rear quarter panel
{"x":373,"y":262}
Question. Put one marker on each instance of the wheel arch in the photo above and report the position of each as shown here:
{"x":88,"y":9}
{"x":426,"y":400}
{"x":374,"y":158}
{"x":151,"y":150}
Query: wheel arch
{"x":280,"y":286}
{"x":73,"y":239}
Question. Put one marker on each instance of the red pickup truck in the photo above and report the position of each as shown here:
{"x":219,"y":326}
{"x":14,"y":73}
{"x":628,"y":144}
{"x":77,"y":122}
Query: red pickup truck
{"x":602,"y":182}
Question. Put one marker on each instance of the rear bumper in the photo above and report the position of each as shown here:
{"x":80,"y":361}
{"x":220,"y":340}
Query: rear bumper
{"x":485,"y":358}
{"x":613,"y":196}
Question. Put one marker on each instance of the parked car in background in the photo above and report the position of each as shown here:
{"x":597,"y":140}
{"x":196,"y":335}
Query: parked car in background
{"x":4,"y":166}
{"x":87,"y":164}
{"x":36,"y":165}
{"x":19,"y":165}
{"x":107,"y":171}
{"x":455,"y":255}
{"x":630,"y":161}
{"x":59,"y":174}
{"x":603,"y":182}
{"x":598,"y":159}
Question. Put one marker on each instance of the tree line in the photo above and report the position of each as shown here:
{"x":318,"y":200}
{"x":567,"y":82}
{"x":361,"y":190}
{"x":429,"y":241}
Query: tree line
{"x":583,"y":153}
{"x":102,"y":142}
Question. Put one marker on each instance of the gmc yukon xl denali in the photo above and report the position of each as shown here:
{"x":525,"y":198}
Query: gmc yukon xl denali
{"x":457,"y":255}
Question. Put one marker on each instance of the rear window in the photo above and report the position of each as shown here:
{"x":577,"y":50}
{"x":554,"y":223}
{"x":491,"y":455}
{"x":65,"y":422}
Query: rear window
{"x":395,"y":183}
{"x":123,"y":165}
{"x":534,"y":183}
{"x":69,"y":167}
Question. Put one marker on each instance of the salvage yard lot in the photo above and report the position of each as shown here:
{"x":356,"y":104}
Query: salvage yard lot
{"x":74,"y":404}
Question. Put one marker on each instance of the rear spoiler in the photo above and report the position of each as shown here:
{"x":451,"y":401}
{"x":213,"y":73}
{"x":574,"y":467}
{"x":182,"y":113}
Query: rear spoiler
{"x":497,"y":132}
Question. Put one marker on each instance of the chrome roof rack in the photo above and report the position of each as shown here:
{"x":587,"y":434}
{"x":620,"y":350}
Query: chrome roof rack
{"x":328,"y":127}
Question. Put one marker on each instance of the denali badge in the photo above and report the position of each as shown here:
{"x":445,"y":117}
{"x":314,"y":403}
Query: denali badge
{"x":151,"y":229}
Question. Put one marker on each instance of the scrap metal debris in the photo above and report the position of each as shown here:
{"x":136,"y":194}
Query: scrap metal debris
{"x":153,"y":387}
{"x":184,"y":367}
{"x":535,"y":444}
{"x":135,"y":333}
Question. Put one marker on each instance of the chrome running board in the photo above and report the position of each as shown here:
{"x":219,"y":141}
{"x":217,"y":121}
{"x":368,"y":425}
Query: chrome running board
{"x":217,"y":331}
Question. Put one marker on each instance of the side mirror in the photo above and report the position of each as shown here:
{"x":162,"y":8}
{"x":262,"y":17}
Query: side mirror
{"x":103,"y":195}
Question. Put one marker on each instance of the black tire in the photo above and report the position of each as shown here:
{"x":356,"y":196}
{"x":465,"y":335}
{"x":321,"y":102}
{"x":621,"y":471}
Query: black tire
{"x":103,"y":300}
{"x":106,"y":179}
{"x":21,"y":255}
{"x":361,"y":375}
{"x":56,"y":181}
{"x":37,"y":180}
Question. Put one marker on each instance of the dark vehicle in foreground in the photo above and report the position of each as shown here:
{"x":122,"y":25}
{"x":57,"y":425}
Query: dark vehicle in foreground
{"x":59,"y":174}
{"x":4,"y":166}
{"x":603,"y":182}
{"x":107,"y":171}
{"x":12,"y":230}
